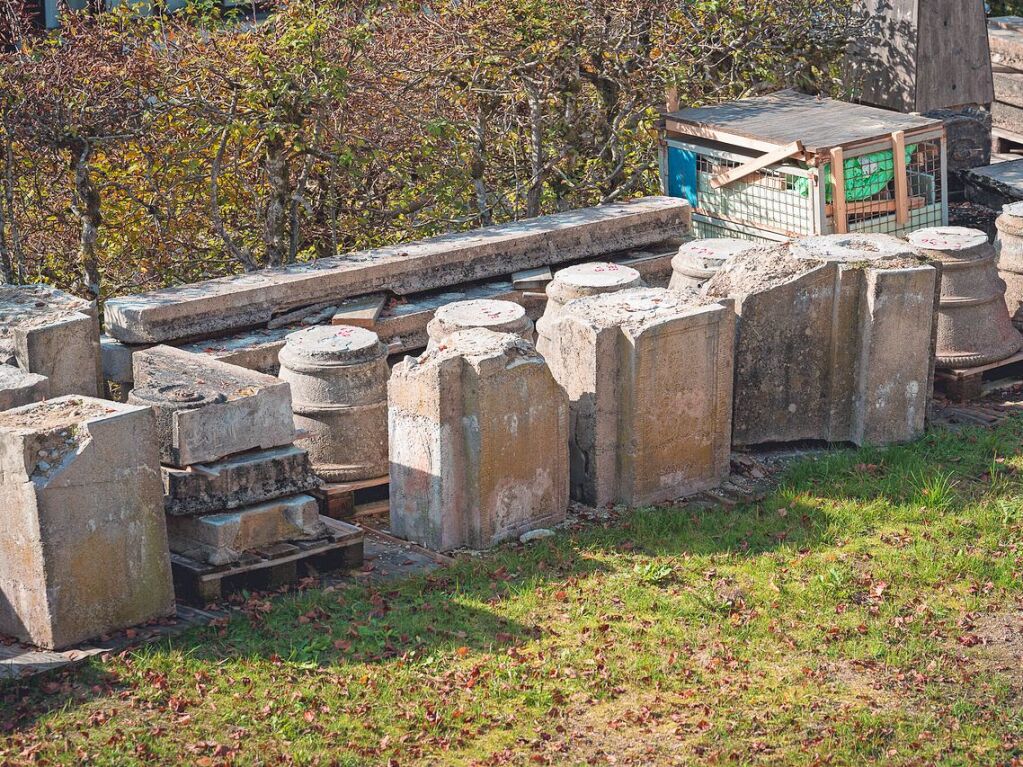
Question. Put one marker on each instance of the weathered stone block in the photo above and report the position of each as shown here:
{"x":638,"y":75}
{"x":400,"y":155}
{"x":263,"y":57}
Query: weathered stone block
{"x":699,"y":260}
{"x":207,"y":410}
{"x":19,"y":388}
{"x":649,"y":376}
{"x":590,"y":279}
{"x":204,"y":309}
{"x":52,"y":334}
{"x":220,"y":539}
{"x":835,"y":340}
{"x":478,"y":443}
{"x":84,"y":549}
{"x":338,"y":378}
{"x":240,"y":480}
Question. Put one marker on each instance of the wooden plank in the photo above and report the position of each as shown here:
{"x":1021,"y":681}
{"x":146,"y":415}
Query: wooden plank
{"x":841,"y":215}
{"x":953,"y":61}
{"x":901,"y":177}
{"x":748,"y":169}
{"x":440,"y":559}
{"x":361,"y":312}
{"x":867,"y":207}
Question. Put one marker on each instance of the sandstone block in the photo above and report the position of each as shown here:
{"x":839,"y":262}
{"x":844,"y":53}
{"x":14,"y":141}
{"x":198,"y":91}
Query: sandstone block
{"x":240,"y":480}
{"x":52,"y":334}
{"x":478,"y":443}
{"x":207,"y":410}
{"x":204,"y":309}
{"x":220,"y":539}
{"x":19,"y":388}
{"x":338,"y":377}
{"x":835,"y":340}
{"x":84,"y":549}
{"x":648,"y":373}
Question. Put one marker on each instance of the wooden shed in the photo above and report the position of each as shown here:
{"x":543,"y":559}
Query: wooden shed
{"x":791,"y":164}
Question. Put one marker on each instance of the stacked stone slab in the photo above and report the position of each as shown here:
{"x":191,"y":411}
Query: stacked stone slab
{"x":46,"y":332}
{"x":84,"y":546}
{"x":835,"y":340}
{"x":233,"y":480}
{"x":974,"y":326}
{"x":478,"y":442}
{"x":649,"y":376}
{"x":217,"y":306}
{"x":338,"y":377}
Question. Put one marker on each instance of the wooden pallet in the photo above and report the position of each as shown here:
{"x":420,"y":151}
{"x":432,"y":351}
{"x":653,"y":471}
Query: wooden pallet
{"x":269,"y":568}
{"x":354,"y":500}
{"x":968,"y":383}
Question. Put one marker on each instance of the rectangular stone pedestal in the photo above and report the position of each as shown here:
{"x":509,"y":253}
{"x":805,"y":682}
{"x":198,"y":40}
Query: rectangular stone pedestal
{"x":478,"y":443}
{"x":84,"y":545}
{"x":649,"y":376}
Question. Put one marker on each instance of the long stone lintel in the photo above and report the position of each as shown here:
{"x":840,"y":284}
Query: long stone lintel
{"x":215,"y":306}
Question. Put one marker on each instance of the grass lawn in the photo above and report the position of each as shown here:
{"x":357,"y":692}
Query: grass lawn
{"x":868,"y":611}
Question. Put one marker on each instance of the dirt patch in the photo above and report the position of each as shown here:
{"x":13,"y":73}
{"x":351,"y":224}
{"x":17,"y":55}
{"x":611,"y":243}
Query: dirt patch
{"x":757,"y":270}
{"x":994,"y":641}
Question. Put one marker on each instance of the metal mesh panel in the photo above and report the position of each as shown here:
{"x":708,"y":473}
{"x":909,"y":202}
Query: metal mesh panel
{"x":773,"y":199}
{"x":877,"y":212}
{"x":708,"y":230}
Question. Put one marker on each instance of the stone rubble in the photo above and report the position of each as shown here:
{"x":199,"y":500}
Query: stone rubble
{"x":84,"y":549}
{"x":478,"y":436}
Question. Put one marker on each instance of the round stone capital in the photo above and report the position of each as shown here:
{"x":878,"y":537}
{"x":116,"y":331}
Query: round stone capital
{"x":498,"y":316}
{"x":332,"y":345}
{"x":947,"y":239}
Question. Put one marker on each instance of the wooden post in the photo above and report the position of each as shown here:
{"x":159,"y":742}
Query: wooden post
{"x":838,"y":190}
{"x":901,"y":177}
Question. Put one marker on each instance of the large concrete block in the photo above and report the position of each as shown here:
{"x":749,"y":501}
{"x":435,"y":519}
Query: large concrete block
{"x":478,"y":442}
{"x":835,"y":340}
{"x":649,"y":376}
{"x":240,"y":480}
{"x":207,"y":410}
{"x":220,"y":539}
{"x":204,"y":309}
{"x":84,"y":547}
{"x":19,"y":388}
{"x":338,"y":376}
{"x":52,"y":334}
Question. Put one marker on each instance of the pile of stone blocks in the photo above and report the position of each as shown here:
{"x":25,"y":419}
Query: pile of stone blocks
{"x":84,"y":545}
{"x":478,"y":438}
{"x":648,"y":373}
{"x":233,"y":480}
{"x":49,"y":345}
{"x":835,"y":340}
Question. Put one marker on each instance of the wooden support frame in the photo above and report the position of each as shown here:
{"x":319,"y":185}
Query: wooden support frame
{"x":901,"y":178}
{"x":748,"y":169}
{"x":838,"y":190}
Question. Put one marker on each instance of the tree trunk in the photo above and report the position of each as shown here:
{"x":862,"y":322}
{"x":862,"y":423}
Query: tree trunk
{"x":536,"y":154}
{"x":275,"y":220}
{"x":87,"y":207}
{"x":12,"y":259}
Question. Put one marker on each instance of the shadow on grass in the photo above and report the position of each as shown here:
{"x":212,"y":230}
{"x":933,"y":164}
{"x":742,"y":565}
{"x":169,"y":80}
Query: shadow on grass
{"x":24,"y":701}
